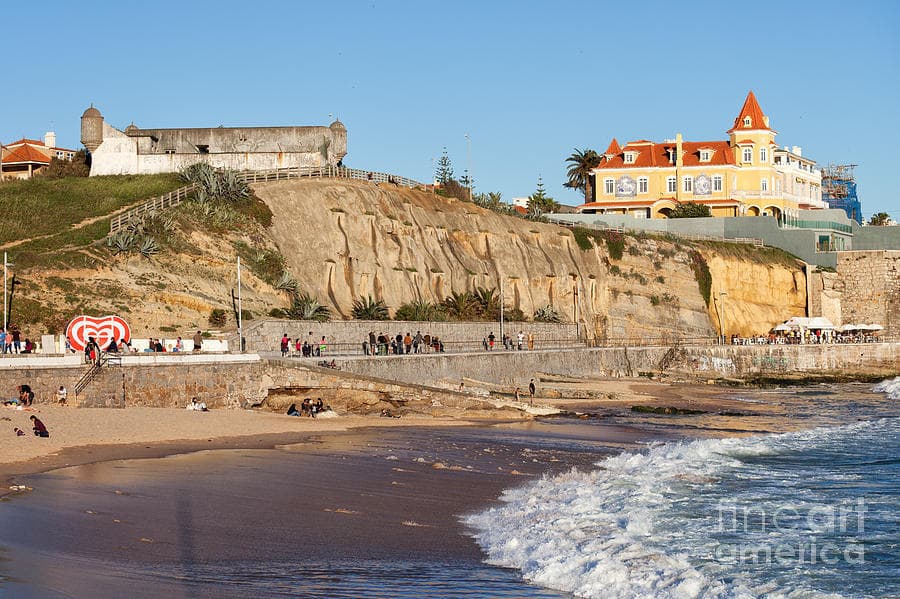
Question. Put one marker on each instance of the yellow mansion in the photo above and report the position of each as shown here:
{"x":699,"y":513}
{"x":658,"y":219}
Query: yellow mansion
{"x":748,"y":175}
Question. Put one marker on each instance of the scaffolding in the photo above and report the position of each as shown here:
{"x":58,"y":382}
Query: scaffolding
{"x":839,"y":190}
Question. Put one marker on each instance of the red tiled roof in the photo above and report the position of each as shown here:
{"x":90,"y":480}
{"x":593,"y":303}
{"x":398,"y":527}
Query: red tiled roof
{"x":613,"y":148}
{"x":520,"y":209}
{"x":750,"y":108}
{"x":657,"y":155}
{"x":745,"y":141}
{"x":24,"y":153}
{"x":23,"y":141}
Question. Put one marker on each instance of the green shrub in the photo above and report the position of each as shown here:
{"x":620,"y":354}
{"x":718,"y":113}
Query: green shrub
{"x":582,"y":238}
{"x":368,"y":308}
{"x":615,"y":243}
{"x":702,"y":274}
{"x":654,"y":300}
{"x":547,"y":314}
{"x":420,"y":311}
{"x":217,"y":318}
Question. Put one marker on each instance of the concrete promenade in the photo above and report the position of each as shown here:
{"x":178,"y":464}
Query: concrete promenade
{"x":235,"y":380}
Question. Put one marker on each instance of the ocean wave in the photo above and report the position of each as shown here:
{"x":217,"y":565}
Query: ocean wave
{"x":642,"y":523}
{"x":891,"y":388}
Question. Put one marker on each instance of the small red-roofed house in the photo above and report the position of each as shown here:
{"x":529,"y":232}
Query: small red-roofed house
{"x":23,"y":158}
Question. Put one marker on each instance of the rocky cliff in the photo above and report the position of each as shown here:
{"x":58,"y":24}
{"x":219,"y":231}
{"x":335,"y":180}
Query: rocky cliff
{"x":344,"y":240}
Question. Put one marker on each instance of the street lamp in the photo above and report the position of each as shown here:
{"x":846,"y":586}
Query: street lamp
{"x":575,"y":305}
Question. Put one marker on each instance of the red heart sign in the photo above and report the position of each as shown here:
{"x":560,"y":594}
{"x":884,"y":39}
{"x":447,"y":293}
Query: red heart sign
{"x":102,"y":329}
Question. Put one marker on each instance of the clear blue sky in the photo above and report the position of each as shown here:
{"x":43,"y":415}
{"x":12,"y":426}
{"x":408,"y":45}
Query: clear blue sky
{"x":529,"y":81}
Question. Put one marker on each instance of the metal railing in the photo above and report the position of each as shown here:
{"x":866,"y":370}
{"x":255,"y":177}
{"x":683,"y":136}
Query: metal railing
{"x":105,"y":359}
{"x":790,"y":223}
{"x":175,"y":197}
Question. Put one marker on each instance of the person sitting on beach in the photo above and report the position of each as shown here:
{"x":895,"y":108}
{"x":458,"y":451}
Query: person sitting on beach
{"x":305,"y":406}
{"x":292,"y":411}
{"x":197,"y":406}
{"x":39,"y":429}
{"x":29,"y":346}
{"x":26,"y":395}
{"x":19,"y":432}
{"x":62,"y":394}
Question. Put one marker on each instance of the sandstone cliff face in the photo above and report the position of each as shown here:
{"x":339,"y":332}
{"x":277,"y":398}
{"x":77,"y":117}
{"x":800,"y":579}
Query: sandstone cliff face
{"x":345,"y":240}
{"x":758,"y":296}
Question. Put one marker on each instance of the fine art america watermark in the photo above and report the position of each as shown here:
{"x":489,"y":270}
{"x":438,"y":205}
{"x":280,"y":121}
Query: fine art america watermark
{"x":812,"y":534}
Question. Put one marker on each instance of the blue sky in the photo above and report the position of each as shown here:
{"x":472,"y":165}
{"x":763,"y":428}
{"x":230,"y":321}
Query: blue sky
{"x":528,"y":81}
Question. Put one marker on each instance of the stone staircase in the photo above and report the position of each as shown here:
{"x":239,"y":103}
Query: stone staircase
{"x":102,"y":385}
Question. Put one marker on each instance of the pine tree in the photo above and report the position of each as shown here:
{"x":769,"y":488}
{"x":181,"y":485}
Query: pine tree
{"x":539,"y":202}
{"x":444,"y":171}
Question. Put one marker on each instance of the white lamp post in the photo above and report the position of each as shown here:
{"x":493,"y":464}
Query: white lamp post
{"x":6,"y":264}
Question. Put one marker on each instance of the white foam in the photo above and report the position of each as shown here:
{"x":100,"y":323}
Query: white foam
{"x":892,"y":388}
{"x":623,"y":530}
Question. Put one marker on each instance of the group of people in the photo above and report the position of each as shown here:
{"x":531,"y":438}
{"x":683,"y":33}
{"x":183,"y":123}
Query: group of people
{"x":306,"y":348}
{"x":92,"y":349}
{"x":308,"y":407}
{"x":37,"y":427}
{"x":11,"y":341}
{"x":518,"y":344}
{"x":806,"y":337}
{"x":383,"y":344}
{"x":24,"y":400}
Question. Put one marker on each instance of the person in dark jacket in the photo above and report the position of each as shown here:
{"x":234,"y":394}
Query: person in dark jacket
{"x":39,"y":429}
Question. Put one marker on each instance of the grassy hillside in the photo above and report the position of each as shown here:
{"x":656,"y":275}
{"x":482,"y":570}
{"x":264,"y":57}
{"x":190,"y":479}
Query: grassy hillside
{"x":47,"y":206}
{"x":41,"y":213}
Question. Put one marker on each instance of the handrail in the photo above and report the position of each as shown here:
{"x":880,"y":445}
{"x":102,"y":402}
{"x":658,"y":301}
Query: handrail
{"x":88,"y":377}
{"x":173,"y":198}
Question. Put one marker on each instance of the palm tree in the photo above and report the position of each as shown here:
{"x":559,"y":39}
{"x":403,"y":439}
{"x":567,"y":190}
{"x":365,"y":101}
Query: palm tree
{"x":582,"y":163}
{"x":880,"y":219}
{"x":420,"y":310}
{"x":368,"y":308}
{"x":488,"y":301}
{"x":305,"y":307}
{"x":461,"y":306}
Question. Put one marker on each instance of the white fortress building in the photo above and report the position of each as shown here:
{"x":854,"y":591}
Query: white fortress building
{"x":149,"y":151}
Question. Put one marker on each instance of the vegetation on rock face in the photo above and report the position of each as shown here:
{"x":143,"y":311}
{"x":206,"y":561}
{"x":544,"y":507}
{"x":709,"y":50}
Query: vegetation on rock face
{"x":547,"y":314}
{"x":217,"y":318}
{"x":461,"y":306}
{"x":368,"y":308}
{"x":615,"y":243}
{"x":581,"y":165}
{"x":583,"y":238}
{"x":702,"y":274}
{"x":215,"y":184}
{"x":420,"y":310}
{"x":305,"y":307}
{"x":690,"y":210}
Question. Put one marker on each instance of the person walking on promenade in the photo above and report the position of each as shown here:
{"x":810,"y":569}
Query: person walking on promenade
{"x":530,"y":341}
{"x":520,"y":340}
{"x":417,"y":342}
{"x":491,"y":339}
{"x":198,"y":341}
{"x":373,"y":348}
{"x":407,"y":343}
{"x":285,"y":345}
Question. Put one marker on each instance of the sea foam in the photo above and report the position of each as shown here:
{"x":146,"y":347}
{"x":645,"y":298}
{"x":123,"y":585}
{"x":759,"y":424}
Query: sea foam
{"x":891,"y":388}
{"x":642,"y":524}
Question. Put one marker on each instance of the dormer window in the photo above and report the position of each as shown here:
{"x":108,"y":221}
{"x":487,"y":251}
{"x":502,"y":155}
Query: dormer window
{"x":630,"y":157}
{"x":705,"y":155}
{"x":748,"y":121}
{"x":748,"y":155}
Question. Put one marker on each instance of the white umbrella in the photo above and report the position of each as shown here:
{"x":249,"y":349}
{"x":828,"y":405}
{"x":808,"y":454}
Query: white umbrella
{"x":782,"y":327}
{"x":873,"y":327}
{"x":819,"y":322}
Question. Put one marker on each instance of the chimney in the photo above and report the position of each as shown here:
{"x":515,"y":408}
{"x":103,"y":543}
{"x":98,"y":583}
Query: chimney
{"x":766,"y":121}
{"x":50,"y":139}
{"x":679,"y":160}
{"x":797,"y":150}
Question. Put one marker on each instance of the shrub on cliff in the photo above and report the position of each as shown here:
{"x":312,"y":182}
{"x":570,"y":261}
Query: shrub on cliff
{"x":547,"y":314}
{"x":690,"y":210}
{"x":420,"y":310}
{"x":702,"y":274}
{"x":368,"y":308}
{"x":615,"y":243}
{"x":306,"y":307}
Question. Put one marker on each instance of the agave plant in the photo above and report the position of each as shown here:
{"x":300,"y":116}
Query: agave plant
{"x":286,"y":283}
{"x":149,"y":247}
{"x":122,"y":242}
{"x":368,"y":308}
{"x":420,"y":310}
{"x":547,"y":314}
{"x":305,"y":307}
{"x":214,"y":184}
